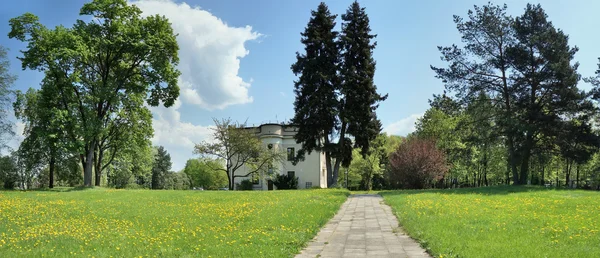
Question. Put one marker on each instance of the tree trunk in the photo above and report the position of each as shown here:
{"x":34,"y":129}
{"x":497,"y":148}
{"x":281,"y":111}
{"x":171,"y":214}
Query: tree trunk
{"x":82,"y":160}
{"x":340,"y":155}
{"x":526,"y":156}
{"x":511,"y":160}
{"x":98,"y":169}
{"x":543,"y":172}
{"x":89,"y":165}
{"x":336,"y":169}
{"x":568,"y":173}
{"x":577,"y":182}
{"x":329,"y":169}
{"x":51,"y":171}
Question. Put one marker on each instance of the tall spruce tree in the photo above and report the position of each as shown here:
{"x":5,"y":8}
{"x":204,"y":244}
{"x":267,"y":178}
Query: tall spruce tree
{"x":359,"y":93}
{"x":160,"y":168}
{"x":316,"y":106}
{"x":335,"y":95}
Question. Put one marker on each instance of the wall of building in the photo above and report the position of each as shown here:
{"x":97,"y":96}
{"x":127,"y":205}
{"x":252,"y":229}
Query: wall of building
{"x":309,"y":172}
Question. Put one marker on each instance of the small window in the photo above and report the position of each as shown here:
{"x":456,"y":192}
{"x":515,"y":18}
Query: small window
{"x":291,"y":174}
{"x":291,"y":153}
{"x":255,"y":178}
{"x":308,"y":185}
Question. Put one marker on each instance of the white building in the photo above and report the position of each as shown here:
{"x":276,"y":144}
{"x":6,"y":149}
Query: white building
{"x":310,"y":172}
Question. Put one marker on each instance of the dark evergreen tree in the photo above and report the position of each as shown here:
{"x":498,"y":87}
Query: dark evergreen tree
{"x":359,"y":93}
{"x":316,"y":106}
{"x":160,"y":169}
{"x":545,"y":81}
{"x":335,"y":95}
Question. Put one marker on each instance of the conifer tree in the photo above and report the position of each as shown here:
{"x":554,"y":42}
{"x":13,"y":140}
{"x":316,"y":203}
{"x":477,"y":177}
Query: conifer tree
{"x":316,"y":106}
{"x":336,"y":98}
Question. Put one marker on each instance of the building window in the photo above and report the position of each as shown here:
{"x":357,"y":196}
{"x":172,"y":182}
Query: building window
{"x":291,"y":174}
{"x":255,"y":178}
{"x":308,"y":185}
{"x":291,"y":153}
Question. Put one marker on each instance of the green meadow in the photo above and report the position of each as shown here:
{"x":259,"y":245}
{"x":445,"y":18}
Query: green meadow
{"x":144,"y":223}
{"x":501,"y":221}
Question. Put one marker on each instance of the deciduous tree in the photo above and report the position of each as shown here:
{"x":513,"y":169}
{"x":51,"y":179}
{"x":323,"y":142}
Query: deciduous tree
{"x":202,"y":173}
{"x":240,"y":148}
{"x":115,"y":59}
{"x":6,"y":81}
{"x":417,"y":164}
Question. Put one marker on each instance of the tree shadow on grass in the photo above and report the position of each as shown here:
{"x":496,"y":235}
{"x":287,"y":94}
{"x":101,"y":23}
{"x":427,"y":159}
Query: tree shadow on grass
{"x":491,"y":190}
{"x":63,"y":189}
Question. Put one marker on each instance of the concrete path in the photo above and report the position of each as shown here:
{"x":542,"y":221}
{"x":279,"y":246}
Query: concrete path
{"x":363,"y":227}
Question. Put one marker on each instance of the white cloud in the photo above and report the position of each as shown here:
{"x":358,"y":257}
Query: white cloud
{"x":209,"y":61}
{"x":404,"y":126}
{"x":178,"y":138}
{"x":209,"y":54}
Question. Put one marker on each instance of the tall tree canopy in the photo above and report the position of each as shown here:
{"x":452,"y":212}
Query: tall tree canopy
{"x":336,"y":98}
{"x":524,"y":67}
{"x":160,"y":168}
{"x":99,"y":68}
{"x":6,"y":81}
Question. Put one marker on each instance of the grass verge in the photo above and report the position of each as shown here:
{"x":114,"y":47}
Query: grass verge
{"x":501,"y":221}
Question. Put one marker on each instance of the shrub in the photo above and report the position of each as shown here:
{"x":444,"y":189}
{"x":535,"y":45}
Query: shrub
{"x":176,"y":181}
{"x":245,"y":185}
{"x":416,"y":164}
{"x":119,"y":178}
{"x":285,"y":182}
{"x":8,"y":172}
{"x":316,"y":187}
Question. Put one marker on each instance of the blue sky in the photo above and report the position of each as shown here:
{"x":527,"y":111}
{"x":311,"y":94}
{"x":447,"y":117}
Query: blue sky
{"x":236,"y":55}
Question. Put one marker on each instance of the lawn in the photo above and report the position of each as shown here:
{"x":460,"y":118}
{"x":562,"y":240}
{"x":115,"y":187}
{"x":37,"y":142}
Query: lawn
{"x":501,"y":221}
{"x":144,"y":223}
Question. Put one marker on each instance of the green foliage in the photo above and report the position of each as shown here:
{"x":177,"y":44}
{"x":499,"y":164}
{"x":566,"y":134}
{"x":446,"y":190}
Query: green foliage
{"x":245,"y":185}
{"x":417,"y":164}
{"x":203,"y":173}
{"x":515,"y":82}
{"x":160,"y":168}
{"x":132,"y":168}
{"x":367,"y":172}
{"x":491,"y":218}
{"x":6,"y":81}
{"x":103,"y":71}
{"x":177,"y":181}
{"x":8,"y":172}
{"x":285,"y":182}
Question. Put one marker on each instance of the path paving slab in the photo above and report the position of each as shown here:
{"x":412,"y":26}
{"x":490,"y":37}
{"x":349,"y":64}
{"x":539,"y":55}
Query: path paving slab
{"x":363,"y":227}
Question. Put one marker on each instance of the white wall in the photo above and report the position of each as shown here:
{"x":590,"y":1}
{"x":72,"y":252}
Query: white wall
{"x":309,"y":170}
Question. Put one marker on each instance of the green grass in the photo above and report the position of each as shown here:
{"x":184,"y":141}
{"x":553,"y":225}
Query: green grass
{"x":134,"y":223}
{"x":501,"y":221}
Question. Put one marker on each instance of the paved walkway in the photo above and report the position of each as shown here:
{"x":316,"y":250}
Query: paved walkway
{"x":363,"y":227}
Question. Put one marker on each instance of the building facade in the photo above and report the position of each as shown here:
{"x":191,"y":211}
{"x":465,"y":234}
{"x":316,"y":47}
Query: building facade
{"x":310,"y":172}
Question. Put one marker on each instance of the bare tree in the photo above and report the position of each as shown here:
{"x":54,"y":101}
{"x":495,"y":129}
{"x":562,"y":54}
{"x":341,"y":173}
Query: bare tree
{"x":239,"y":147}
